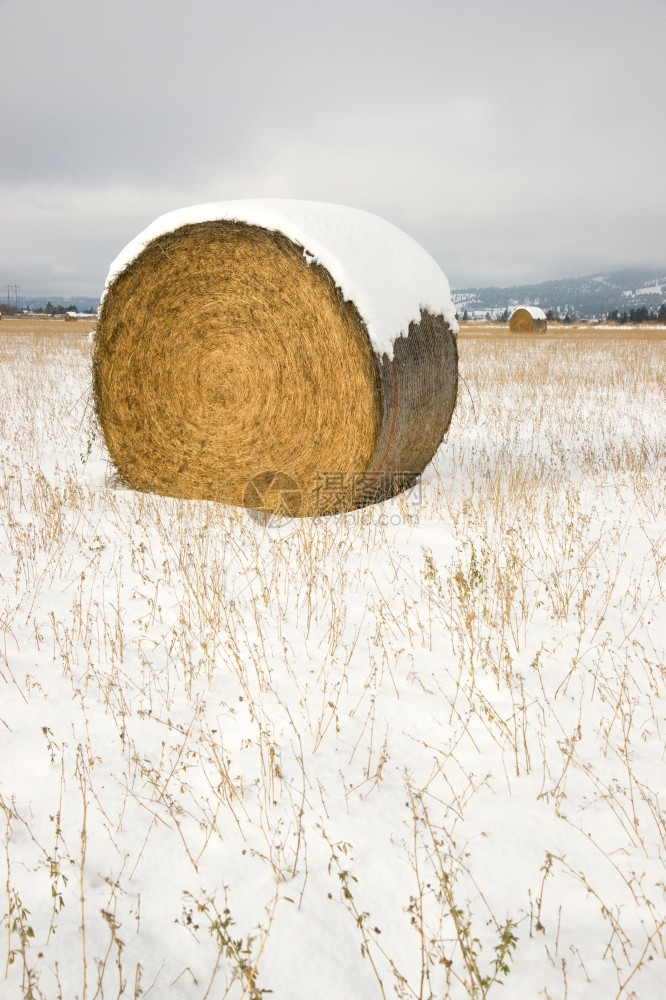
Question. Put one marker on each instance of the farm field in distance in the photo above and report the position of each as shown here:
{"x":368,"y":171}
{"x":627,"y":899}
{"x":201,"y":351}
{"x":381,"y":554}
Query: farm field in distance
{"x":413,"y":752}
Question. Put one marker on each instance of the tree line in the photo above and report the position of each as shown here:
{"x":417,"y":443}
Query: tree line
{"x":634,"y":316}
{"x":49,"y":309}
{"x":641,"y":315}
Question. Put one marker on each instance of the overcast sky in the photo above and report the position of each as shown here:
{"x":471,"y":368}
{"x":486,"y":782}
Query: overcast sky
{"x":516,"y":140}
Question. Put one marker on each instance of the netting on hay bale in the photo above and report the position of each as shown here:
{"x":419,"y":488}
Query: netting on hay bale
{"x":528,"y":319}
{"x":284,"y":356}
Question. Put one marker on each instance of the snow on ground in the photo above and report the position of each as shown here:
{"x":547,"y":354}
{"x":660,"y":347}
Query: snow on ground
{"x":416,"y":751}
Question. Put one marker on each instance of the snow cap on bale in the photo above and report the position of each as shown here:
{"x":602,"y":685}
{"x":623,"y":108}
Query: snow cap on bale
{"x":288,"y":356}
{"x":528,"y":319}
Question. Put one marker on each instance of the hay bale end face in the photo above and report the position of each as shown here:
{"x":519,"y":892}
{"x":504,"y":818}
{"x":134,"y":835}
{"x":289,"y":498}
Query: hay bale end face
{"x":289,"y":357}
{"x":528,"y":319}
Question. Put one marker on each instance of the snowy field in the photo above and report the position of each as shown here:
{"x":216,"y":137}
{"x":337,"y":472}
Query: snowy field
{"x":416,"y":752}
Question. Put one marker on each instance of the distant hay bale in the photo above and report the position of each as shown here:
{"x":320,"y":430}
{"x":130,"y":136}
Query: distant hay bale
{"x":528,"y":319}
{"x":228,"y":366}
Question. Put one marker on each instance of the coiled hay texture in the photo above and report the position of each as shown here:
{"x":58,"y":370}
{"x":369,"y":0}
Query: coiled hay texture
{"x":528,"y":319}
{"x":229,"y":367}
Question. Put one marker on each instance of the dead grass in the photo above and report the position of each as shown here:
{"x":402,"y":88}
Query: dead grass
{"x":46,"y":326}
{"x":246,"y":702}
{"x":574,"y":332}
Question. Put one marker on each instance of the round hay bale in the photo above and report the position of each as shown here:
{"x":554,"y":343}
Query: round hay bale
{"x":289,"y":357}
{"x":528,"y":319}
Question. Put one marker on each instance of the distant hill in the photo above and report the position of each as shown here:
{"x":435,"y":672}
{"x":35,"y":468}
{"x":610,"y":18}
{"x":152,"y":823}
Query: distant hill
{"x":594,"y":295}
{"x":83,"y":303}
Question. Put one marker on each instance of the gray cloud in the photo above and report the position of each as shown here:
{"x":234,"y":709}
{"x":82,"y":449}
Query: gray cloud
{"x":516,"y":141}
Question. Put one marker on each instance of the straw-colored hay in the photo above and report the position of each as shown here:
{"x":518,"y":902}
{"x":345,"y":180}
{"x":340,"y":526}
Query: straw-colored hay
{"x":528,"y":319}
{"x":229,"y":368}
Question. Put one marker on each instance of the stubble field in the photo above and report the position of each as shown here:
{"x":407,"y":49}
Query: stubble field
{"x":413,"y":752}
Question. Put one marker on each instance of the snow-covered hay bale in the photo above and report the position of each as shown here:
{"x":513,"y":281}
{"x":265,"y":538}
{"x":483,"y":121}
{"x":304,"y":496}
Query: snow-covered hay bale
{"x":286,"y":356}
{"x":528,"y":319}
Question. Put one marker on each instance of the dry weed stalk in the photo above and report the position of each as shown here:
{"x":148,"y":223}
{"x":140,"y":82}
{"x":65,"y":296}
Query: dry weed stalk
{"x":213,"y":670}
